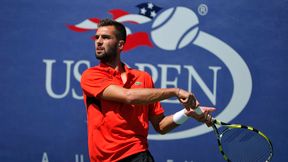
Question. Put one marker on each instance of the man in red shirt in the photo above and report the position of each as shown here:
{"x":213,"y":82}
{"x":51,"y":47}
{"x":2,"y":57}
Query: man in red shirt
{"x":121,"y":101}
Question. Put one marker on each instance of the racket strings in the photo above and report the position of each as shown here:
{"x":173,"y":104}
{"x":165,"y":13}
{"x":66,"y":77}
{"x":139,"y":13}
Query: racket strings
{"x":244,"y":145}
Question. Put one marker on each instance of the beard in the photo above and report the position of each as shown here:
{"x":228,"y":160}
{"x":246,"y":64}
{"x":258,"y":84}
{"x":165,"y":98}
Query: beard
{"x":107,"y":55}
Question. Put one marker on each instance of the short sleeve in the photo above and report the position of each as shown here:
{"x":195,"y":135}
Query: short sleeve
{"x":94,"y":81}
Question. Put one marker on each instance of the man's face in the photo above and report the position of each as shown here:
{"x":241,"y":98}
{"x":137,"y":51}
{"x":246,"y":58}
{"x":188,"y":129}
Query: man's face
{"x":106,"y":43}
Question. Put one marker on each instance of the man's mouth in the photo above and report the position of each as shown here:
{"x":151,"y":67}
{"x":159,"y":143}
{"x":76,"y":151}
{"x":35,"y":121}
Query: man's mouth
{"x":99,"y":49}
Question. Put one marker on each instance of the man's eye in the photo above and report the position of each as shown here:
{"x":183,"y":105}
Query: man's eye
{"x":105,"y":37}
{"x":96,"y":37}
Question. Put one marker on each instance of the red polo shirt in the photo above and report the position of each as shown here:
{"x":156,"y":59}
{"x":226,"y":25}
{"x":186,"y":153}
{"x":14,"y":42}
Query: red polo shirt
{"x":116,"y":130}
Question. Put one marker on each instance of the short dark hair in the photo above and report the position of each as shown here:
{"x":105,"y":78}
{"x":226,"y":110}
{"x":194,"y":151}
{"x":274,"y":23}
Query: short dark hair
{"x":120,"y":28}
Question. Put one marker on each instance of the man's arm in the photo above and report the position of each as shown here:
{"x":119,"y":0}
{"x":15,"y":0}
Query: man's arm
{"x":164,"y":124}
{"x":147,"y":95}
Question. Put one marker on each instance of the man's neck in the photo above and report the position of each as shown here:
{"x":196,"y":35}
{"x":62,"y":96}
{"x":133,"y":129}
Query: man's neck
{"x":118,"y":66}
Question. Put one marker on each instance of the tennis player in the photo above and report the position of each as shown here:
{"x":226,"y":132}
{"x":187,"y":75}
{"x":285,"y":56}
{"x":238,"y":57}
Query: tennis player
{"x":121,"y":101}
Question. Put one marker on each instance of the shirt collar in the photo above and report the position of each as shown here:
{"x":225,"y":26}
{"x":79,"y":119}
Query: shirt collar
{"x":113,"y":71}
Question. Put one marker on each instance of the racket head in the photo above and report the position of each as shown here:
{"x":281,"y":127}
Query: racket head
{"x":243,"y":143}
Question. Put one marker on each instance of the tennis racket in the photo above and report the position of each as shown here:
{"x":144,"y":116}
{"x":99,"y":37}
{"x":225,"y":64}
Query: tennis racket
{"x":238,"y":142}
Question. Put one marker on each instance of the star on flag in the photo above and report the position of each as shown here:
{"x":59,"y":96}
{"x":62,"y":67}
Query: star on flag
{"x":148,"y":9}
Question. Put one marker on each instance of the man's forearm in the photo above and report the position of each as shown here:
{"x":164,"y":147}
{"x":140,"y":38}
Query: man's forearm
{"x":150,"y":95}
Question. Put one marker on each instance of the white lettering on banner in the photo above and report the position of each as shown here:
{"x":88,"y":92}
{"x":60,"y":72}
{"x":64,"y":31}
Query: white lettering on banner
{"x":164,"y":82}
{"x":192,"y":73}
{"x":45,"y":157}
{"x":81,"y":157}
{"x":164,"y":77}
{"x":48,"y":84}
{"x":76,"y":74}
{"x":78,"y":157}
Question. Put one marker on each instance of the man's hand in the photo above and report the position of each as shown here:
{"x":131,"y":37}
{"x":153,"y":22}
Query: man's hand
{"x":205,"y":117}
{"x":187,"y":99}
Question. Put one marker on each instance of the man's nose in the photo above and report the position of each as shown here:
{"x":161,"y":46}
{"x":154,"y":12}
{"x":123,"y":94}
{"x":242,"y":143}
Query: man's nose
{"x":99,"y":40}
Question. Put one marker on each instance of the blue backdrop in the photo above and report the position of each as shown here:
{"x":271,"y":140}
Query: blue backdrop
{"x":232,"y":55}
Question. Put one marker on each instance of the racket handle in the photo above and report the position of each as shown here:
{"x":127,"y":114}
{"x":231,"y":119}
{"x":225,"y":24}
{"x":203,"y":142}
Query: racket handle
{"x":198,"y":110}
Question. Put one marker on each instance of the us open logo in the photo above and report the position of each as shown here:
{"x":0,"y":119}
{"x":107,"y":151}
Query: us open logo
{"x":172,"y":30}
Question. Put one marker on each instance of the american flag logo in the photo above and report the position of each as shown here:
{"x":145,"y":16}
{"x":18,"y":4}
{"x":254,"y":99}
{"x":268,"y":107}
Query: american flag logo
{"x":147,"y":12}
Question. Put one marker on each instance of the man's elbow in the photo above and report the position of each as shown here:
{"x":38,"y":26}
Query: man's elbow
{"x":132,"y":98}
{"x":163,"y":131}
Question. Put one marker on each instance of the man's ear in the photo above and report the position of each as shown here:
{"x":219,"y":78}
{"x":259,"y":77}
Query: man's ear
{"x":121,"y":44}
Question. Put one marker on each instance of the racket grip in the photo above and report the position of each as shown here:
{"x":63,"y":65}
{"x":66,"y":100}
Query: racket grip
{"x":198,"y":110}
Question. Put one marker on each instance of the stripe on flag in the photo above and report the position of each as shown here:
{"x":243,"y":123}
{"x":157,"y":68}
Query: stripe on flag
{"x":137,"y":39}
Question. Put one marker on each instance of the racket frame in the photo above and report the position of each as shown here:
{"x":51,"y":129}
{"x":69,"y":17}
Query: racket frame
{"x":236,"y":126}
